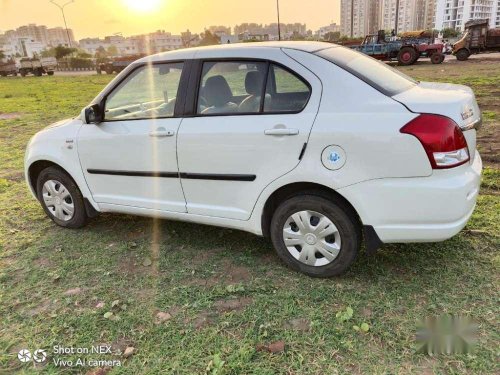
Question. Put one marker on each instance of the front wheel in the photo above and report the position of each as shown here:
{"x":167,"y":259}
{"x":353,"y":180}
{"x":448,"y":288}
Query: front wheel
{"x":437,"y":58}
{"x":462,"y":54}
{"x":314,"y":235}
{"x":61,"y":199}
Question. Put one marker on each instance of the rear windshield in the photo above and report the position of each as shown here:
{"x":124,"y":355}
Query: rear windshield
{"x":377,"y":74}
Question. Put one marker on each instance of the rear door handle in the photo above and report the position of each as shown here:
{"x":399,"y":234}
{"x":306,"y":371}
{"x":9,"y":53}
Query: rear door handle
{"x":159,"y":133}
{"x":281,"y":131}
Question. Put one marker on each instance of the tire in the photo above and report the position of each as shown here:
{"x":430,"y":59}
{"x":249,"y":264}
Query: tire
{"x":437,"y":58}
{"x":347,"y":235}
{"x":462,"y":54}
{"x":79,"y":217}
{"x":50,"y":73}
{"x":407,"y":56}
{"x":109,"y":70}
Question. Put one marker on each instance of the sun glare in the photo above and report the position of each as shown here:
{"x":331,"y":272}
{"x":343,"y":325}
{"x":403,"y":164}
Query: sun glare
{"x":142,"y":5}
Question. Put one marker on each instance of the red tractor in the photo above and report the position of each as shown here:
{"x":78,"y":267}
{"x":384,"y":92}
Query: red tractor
{"x":407,"y":49}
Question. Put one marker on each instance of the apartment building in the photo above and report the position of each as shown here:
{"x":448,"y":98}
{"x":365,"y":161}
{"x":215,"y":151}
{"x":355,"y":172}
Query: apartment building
{"x":455,"y":13}
{"x":59,"y":36}
{"x":159,"y":41}
{"x":429,"y":19}
{"x":219,"y":30}
{"x":402,"y":15}
{"x":331,"y":28}
{"x":359,"y":17}
{"x":271,"y":30}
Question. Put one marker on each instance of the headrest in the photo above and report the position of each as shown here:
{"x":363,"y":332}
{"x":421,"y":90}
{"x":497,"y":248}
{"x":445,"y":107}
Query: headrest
{"x":216,"y":91}
{"x":253,"y":83}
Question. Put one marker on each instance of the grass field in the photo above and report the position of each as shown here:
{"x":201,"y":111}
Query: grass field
{"x":195,"y":299}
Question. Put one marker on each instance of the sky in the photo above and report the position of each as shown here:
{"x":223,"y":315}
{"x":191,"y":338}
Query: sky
{"x":97,"y":18}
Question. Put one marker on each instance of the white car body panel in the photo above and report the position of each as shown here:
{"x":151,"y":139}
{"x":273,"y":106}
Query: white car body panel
{"x":57,"y":144}
{"x":387,"y":177}
{"x":236,"y":144}
{"x":128,"y":146}
{"x":446,"y":99}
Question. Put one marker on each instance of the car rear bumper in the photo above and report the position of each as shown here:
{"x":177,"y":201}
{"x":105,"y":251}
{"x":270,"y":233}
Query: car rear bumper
{"x":420,"y":209}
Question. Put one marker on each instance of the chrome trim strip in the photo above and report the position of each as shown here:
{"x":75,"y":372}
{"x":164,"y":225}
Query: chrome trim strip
{"x":473,"y":125}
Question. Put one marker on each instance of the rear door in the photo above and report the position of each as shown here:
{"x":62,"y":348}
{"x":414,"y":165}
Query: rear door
{"x":249,"y":123}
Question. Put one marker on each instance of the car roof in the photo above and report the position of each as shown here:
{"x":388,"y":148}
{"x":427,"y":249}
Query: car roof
{"x":186,"y":53}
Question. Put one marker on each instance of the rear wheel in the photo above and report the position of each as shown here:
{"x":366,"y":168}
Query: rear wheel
{"x":314,"y":235}
{"x":407,"y":56}
{"x":61,"y":199}
{"x":437,"y":58}
{"x":109,"y":70}
{"x":50,"y":73}
{"x":462,"y":54}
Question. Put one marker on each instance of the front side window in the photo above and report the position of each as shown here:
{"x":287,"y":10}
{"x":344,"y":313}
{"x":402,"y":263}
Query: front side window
{"x":148,"y":92}
{"x":232,"y":87}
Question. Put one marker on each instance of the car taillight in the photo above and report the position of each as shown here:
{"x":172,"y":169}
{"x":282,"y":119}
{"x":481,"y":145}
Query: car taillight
{"x":442,"y":139}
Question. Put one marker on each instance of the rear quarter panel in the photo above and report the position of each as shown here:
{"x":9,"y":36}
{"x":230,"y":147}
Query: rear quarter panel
{"x":365,"y":123}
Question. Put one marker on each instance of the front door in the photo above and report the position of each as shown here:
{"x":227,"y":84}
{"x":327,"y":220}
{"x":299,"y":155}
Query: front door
{"x":252,"y":120}
{"x":130,"y":158}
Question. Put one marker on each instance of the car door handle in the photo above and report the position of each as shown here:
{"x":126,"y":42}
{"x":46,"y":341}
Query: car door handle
{"x":161,"y":133}
{"x":281,"y":131}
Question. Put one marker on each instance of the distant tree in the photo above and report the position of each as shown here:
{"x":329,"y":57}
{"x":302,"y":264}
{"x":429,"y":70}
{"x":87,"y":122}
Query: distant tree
{"x":332,"y":36}
{"x":296,"y":36}
{"x":450,"y":33}
{"x":112,"y":51}
{"x":83,"y":55}
{"x":101,"y":55}
{"x":61,"y":51}
{"x":50,"y":52}
{"x":209,"y":39}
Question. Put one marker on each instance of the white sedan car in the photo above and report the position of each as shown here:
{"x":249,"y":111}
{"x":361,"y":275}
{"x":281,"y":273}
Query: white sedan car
{"x":311,"y":144}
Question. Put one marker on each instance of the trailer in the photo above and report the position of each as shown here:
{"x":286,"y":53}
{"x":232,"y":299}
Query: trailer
{"x":406,"y":49}
{"x":478,"y":38}
{"x":38,"y":66}
{"x":8,"y":68}
{"x":117,"y":64}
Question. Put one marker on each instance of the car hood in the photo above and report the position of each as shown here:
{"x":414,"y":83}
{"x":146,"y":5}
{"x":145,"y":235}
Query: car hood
{"x":67,"y":121}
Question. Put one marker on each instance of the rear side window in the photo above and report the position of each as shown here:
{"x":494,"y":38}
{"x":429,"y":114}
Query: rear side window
{"x":231,"y":87}
{"x":249,"y":87}
{"x":377,"y":74}
{"x":285,"y":91}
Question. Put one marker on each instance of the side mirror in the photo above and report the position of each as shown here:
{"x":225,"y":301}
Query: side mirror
{"x":93,"y":114}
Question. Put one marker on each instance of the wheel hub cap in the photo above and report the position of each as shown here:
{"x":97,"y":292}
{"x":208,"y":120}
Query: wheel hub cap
{"x":311,"y":238}
{"x":58,"y":200}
